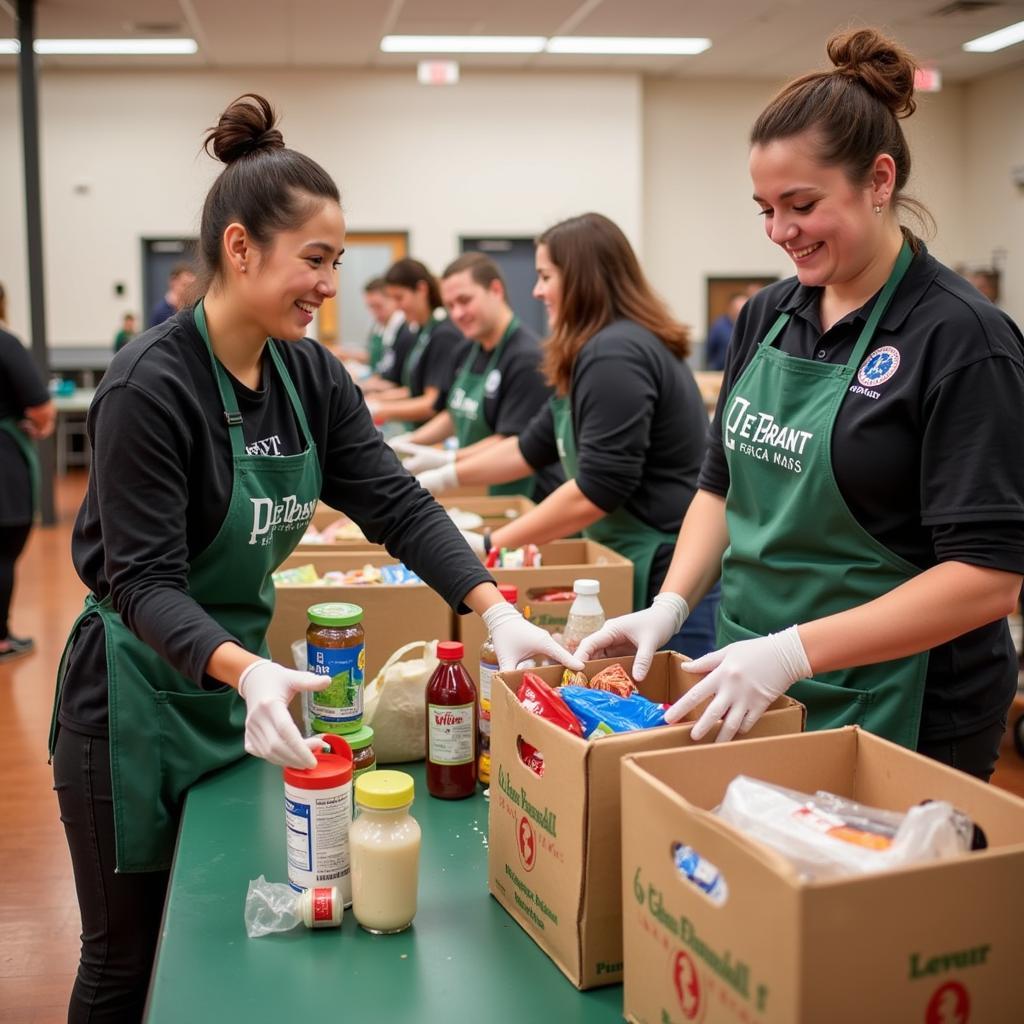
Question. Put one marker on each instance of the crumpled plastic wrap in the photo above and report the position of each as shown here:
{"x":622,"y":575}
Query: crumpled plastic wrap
{"x":270,"y":907}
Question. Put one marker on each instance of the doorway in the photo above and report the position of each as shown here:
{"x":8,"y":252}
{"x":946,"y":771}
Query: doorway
{"x":515,"y":258}
{"x":159,"y":257}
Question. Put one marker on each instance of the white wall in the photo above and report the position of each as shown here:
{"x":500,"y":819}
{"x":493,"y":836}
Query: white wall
{"x":504,"y":154}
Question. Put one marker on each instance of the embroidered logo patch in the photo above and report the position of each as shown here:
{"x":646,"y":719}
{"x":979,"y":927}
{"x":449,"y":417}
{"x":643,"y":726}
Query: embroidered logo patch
{"x":492,"y":383}
{"x":879,"y":366}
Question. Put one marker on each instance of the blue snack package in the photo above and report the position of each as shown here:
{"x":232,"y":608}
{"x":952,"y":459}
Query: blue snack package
{"x":398,"y":574}
{"x":602,"y":713}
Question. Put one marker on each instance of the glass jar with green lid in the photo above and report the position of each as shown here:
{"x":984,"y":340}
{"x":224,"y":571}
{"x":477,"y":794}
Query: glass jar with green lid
{"x":335,"y":648}
{"x":364,"y":757}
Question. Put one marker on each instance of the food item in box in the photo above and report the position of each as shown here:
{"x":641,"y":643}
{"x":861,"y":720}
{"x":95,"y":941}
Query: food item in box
{"x":299,"y":576}
{"x":602,"y":713}
{"x":526,"y":557}
{"x":541,"y":700}
{"x":551,"y":594}
{"x":570,"y":678}
{"x":828,"y":836}
{"x":615,"y":679}
{"x":530,"y":756}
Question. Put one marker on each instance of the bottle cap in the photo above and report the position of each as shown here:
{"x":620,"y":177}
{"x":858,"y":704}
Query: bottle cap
{"x":450,"y":650}
{"x":384,"y":790}
{"x":333,"y":769}
{"x":587,"y":588}
{"x":335,"y":613}
{"x":509,"y":591}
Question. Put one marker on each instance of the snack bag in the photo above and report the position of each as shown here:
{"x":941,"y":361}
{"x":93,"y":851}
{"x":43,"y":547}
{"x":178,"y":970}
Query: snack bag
{"x":601,"y":713}
{"x":615,"y":679}
{"x":539,"y":699}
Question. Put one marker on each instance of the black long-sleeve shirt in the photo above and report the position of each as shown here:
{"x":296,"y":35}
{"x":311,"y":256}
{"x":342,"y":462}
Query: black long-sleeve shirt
{"x":161,"y":481}
{"x":21,"y":388}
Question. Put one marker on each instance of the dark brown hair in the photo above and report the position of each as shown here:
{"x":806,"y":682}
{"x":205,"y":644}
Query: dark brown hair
{"x":482,"y":269}
{"x":375,"y":284}
{"x":854,"y":110}
{"x":601,"y":282}
{"x":266,"y":187}
{"x":407,"y":273}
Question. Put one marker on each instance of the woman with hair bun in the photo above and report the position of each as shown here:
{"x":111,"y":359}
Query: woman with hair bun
{"x":214,"y":435}
{"x":863,"y":495}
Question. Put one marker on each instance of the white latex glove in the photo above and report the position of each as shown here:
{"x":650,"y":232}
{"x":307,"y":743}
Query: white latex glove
{"x":421,"y":457}
{"x":644,"y":632}
{"x":270,"y":733}
{"x":515,"y":639}
{"x":475,"y":541}
{"x":439,"y":480}
{"x":399,"y":441}
{"x":743,"y":678}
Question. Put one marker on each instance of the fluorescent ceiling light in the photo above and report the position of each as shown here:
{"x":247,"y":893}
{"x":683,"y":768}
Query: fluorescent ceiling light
{"x":997,"y":40}
{"x":462,"y":44}
{"x":654,"y":45}
{"x":97,"y":47}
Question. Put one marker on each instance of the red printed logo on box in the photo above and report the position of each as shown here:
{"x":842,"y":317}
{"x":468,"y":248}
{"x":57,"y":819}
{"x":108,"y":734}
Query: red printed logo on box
{"x":950,"y":1005}
{"x":687,"y":983}
{"x":526,"y":840}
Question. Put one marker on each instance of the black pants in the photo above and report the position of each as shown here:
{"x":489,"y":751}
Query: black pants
{"x":975,"y":754}
{"x":12,"y":543}
{"x":120,"y":913}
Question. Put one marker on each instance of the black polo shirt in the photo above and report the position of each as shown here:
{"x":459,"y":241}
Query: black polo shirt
{"x":439,"y":362}
{"x":393,"y":361}
{"x":21,"y":388}
{"x":925,"y":450}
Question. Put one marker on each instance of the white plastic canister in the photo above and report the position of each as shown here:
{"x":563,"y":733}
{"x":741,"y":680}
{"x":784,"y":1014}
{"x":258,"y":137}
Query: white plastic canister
{"x":318,"y":813}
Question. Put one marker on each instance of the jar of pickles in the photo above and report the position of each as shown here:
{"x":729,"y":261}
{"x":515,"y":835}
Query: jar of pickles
{"x":335,"y":648}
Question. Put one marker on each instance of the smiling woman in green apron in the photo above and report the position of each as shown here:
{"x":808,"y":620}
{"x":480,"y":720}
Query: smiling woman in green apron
{"x":863,"y":496}
{"x":431,"y":364}
{"x":499,"y":387}
{"x":214,"y":435}
{"x":26,"y":414}
{"x":627,"y":423}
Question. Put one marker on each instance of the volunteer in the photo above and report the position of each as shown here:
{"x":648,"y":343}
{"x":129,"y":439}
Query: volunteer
{"x":863,"y":494}
{"x":430,"y":366}
{"x":627,"y":423}
{"x":386,"y":320}
{"x":214,"y":435}
{"x":26,"y":413}
{"x":498,"y":388}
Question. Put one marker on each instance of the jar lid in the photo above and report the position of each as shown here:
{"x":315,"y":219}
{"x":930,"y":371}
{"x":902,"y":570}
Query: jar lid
{"x":335,"y":613}
{"x":509,"y":591}
{"x":333,"y":769}
{"x":451,"y":650}
{"x":362,"y":737}
{"x":588,"y":588}
{"x":384,"y":790}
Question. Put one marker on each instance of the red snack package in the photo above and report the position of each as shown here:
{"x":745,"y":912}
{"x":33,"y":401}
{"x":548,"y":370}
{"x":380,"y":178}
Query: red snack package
{"x":492,"y":558}
{"x":530,"y":756}
{"x":539,"y":699}
{"x":614,"y":679}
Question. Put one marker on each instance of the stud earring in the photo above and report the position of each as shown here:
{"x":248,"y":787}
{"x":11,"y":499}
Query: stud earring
{"x":242,"y":266}
{"x":878,"y":209}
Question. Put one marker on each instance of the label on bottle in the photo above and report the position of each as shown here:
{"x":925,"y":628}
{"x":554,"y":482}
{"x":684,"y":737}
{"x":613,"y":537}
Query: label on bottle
{"x":342,"y":702}
{"x":488,"y":670}
{"x":451,"y":733}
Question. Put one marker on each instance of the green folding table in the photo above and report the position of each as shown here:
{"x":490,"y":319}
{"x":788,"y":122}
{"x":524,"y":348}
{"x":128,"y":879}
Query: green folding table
{"x":464,"y":959}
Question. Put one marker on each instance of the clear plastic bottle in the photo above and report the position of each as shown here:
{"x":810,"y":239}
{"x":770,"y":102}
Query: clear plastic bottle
{"x":586,"y":615}
{"x":451,"y":725}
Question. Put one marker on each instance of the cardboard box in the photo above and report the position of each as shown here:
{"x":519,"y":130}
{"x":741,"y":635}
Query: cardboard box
{"x":495,"y":511}
{"x":554,"y":855}
{"x":392,"y":615}
{"x":563,"y":562}
{"x":931,"y":943}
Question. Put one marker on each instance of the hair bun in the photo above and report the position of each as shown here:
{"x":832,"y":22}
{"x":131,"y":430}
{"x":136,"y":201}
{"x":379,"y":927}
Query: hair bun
{"x":881,"y":65}
{"x":245,"y":128}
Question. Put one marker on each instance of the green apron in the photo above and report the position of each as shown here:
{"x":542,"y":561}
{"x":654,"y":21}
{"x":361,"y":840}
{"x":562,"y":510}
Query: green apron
{"x":413,"y":360}
{"x":795,"y":551}
{"x":622,"y":531}
{"x":165,"y":732}
{"x":466,"y":407}
{"x":10,"y":426}
{"x":375,"y":349}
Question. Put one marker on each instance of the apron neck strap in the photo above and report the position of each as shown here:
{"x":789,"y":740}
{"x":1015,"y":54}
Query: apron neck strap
{"x":513,"y":326}
{"x":885,"y":297}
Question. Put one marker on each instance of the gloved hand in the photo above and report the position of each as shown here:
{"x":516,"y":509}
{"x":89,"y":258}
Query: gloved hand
{"x":437,"y":481}
{"x":270,"y":733}
{"x":475,"y":541}
{"x":515,"y":639}
{"x":421,"y":458}
{"x":400,"y":441}
{"x":744,"y":678}
{"x":644,"y":631}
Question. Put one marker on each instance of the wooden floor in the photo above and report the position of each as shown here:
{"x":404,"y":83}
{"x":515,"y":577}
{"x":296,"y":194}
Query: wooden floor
{"x":39,"y":924}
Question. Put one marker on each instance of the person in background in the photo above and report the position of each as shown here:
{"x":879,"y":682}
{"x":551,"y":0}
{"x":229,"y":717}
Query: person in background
{"x":429,"y":367}
{"x":386,"y":320}
{"x":499,"y":387}
{"x":180,"y":283}
{"x":987,"y":282}
{"x":27,"y":414}
{"x":214,"y":435}
{"x":127,"y":332}
{"x":720,"y":333}
{"x":863,"y":493}
{"x":627,"y":422}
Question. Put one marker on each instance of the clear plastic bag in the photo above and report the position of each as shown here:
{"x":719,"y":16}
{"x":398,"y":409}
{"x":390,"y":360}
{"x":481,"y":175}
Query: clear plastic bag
{"x":271,"y":907}
{"x":828,"y":836}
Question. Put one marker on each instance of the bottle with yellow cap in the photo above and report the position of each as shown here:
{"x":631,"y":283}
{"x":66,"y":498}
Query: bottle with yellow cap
{"x":384,"y":842}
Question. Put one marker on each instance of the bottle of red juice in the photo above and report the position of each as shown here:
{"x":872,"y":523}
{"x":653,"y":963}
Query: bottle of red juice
{"x":451,"y":726}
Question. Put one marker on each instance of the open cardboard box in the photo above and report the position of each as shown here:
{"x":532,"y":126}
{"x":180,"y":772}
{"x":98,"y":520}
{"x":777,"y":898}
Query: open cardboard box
{"x":563,"y":562}
{"x":930,"y":943}
{"x":554,"y":856}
